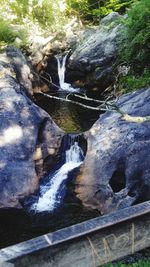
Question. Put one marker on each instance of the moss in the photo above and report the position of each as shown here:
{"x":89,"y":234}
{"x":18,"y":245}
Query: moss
{"x":2,"y":74}
{"x":131,"y":82}
{"x":68,"y":125}
{"x":5,"y":71}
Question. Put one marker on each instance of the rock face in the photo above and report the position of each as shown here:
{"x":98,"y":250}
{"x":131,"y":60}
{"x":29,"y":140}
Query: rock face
{"x":93,"y":59}
{"x":29,"y":139}
{"x":116,"y":171}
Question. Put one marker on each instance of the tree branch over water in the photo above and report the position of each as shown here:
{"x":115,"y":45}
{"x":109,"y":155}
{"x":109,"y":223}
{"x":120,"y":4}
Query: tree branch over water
{"x":104,"y":106}
{"x":74,"y":102}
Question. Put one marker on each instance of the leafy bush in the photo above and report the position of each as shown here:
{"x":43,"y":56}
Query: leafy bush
{"x":19,"y":8}
{"x":140,"y":263}
{"x":8,"y":35}
{"x":48,"y":14}
{"x":95,"y":10}
{"x":133,"y":82}
{"x":135,"y":45}
{"x":106,"y":7}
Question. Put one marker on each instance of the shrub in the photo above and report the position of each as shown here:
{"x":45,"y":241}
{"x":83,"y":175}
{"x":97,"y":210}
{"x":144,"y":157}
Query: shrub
{"x":48,"y":14}
{"x":139,"y":263}
{"x":135,"y":45}
{"x":8,"y":35}
{"x":19,"y":8}
{"x":133,"y":82}
{"x":95,"y":10}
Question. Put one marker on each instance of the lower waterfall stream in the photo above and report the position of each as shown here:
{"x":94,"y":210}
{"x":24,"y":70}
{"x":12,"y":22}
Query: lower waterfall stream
{"x":54,"y":205}
{"x":51,"y":193}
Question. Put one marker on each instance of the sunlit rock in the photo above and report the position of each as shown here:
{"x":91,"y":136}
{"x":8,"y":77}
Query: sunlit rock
{"x":28,"y":136}
{"x":116,"y":170}
{"x":96,"y":52}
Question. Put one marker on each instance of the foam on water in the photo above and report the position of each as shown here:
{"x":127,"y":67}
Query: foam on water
{"x":61,"y":74}
{"x":49,"y":194}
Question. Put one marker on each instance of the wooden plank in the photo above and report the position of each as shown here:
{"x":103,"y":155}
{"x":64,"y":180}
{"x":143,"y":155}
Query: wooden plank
{"x":91,"y":243}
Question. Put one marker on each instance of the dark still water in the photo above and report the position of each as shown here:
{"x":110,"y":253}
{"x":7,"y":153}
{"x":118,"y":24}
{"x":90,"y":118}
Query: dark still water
{"x":69,"y":117}
{"x":17,"y":226}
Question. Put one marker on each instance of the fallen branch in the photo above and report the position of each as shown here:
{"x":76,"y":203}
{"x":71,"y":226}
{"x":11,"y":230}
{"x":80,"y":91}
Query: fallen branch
{"x":139,"y":119}
{"x":105,"y":106}
{"x":74,"y":102}
{"x":87,"y":98}
{"x":49,"y":81}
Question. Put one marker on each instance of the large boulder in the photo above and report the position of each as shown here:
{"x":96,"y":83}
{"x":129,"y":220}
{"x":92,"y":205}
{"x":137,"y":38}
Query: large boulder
{"x":116,"y":170}
{"x":93,"y":59}
{"x":29,"y":139}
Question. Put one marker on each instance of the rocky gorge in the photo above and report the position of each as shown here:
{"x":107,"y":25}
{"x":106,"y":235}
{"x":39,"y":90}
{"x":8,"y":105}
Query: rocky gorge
{"x":115,"y":171}
{"x":92,"y":55}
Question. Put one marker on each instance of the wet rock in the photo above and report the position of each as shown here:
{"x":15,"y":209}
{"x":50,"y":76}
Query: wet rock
{"x":116,"y":170}
{"x":29,"y":139}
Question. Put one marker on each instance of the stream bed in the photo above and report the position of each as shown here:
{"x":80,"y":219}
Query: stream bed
{"x":54,"y":205}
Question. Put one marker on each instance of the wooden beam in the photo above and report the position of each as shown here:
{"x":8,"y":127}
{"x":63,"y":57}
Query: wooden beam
{"x":91,"y":243}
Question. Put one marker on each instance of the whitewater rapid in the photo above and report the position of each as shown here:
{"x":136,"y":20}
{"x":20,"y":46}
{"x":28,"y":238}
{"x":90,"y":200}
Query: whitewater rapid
{"x":50,"y":196}
{"x":61,"y":63}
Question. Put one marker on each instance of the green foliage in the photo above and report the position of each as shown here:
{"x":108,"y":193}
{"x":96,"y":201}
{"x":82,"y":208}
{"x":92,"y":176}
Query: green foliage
{"x":79,"y":8}
{"x":133,"y":82}
{"x":8,"y":35}
{"x":135,"y":45}
{"x":48,"y":14}
{"x":19,"y":8}
{"x":45,"y":13}
{"x":95,"y":10}
{"x":140,"y":263}
{"x":111,"y":5}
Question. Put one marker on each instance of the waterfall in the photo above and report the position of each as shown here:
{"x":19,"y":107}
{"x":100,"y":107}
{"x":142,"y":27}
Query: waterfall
{"x":61,"y":63}
{"x":50,"y":194}
{"x":61,"y":72}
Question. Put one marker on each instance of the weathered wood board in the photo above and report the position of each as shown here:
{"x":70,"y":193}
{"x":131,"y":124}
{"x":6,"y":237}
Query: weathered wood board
{"x":91,"y":243}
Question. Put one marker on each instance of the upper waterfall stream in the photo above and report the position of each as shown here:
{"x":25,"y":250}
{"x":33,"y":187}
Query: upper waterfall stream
{"x":61,"y":63}
{"x":72,"y":118}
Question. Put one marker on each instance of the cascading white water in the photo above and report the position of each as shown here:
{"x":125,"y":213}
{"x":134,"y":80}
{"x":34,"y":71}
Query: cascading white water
{"x":61,"y":74}
{"x":49,"y":193}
